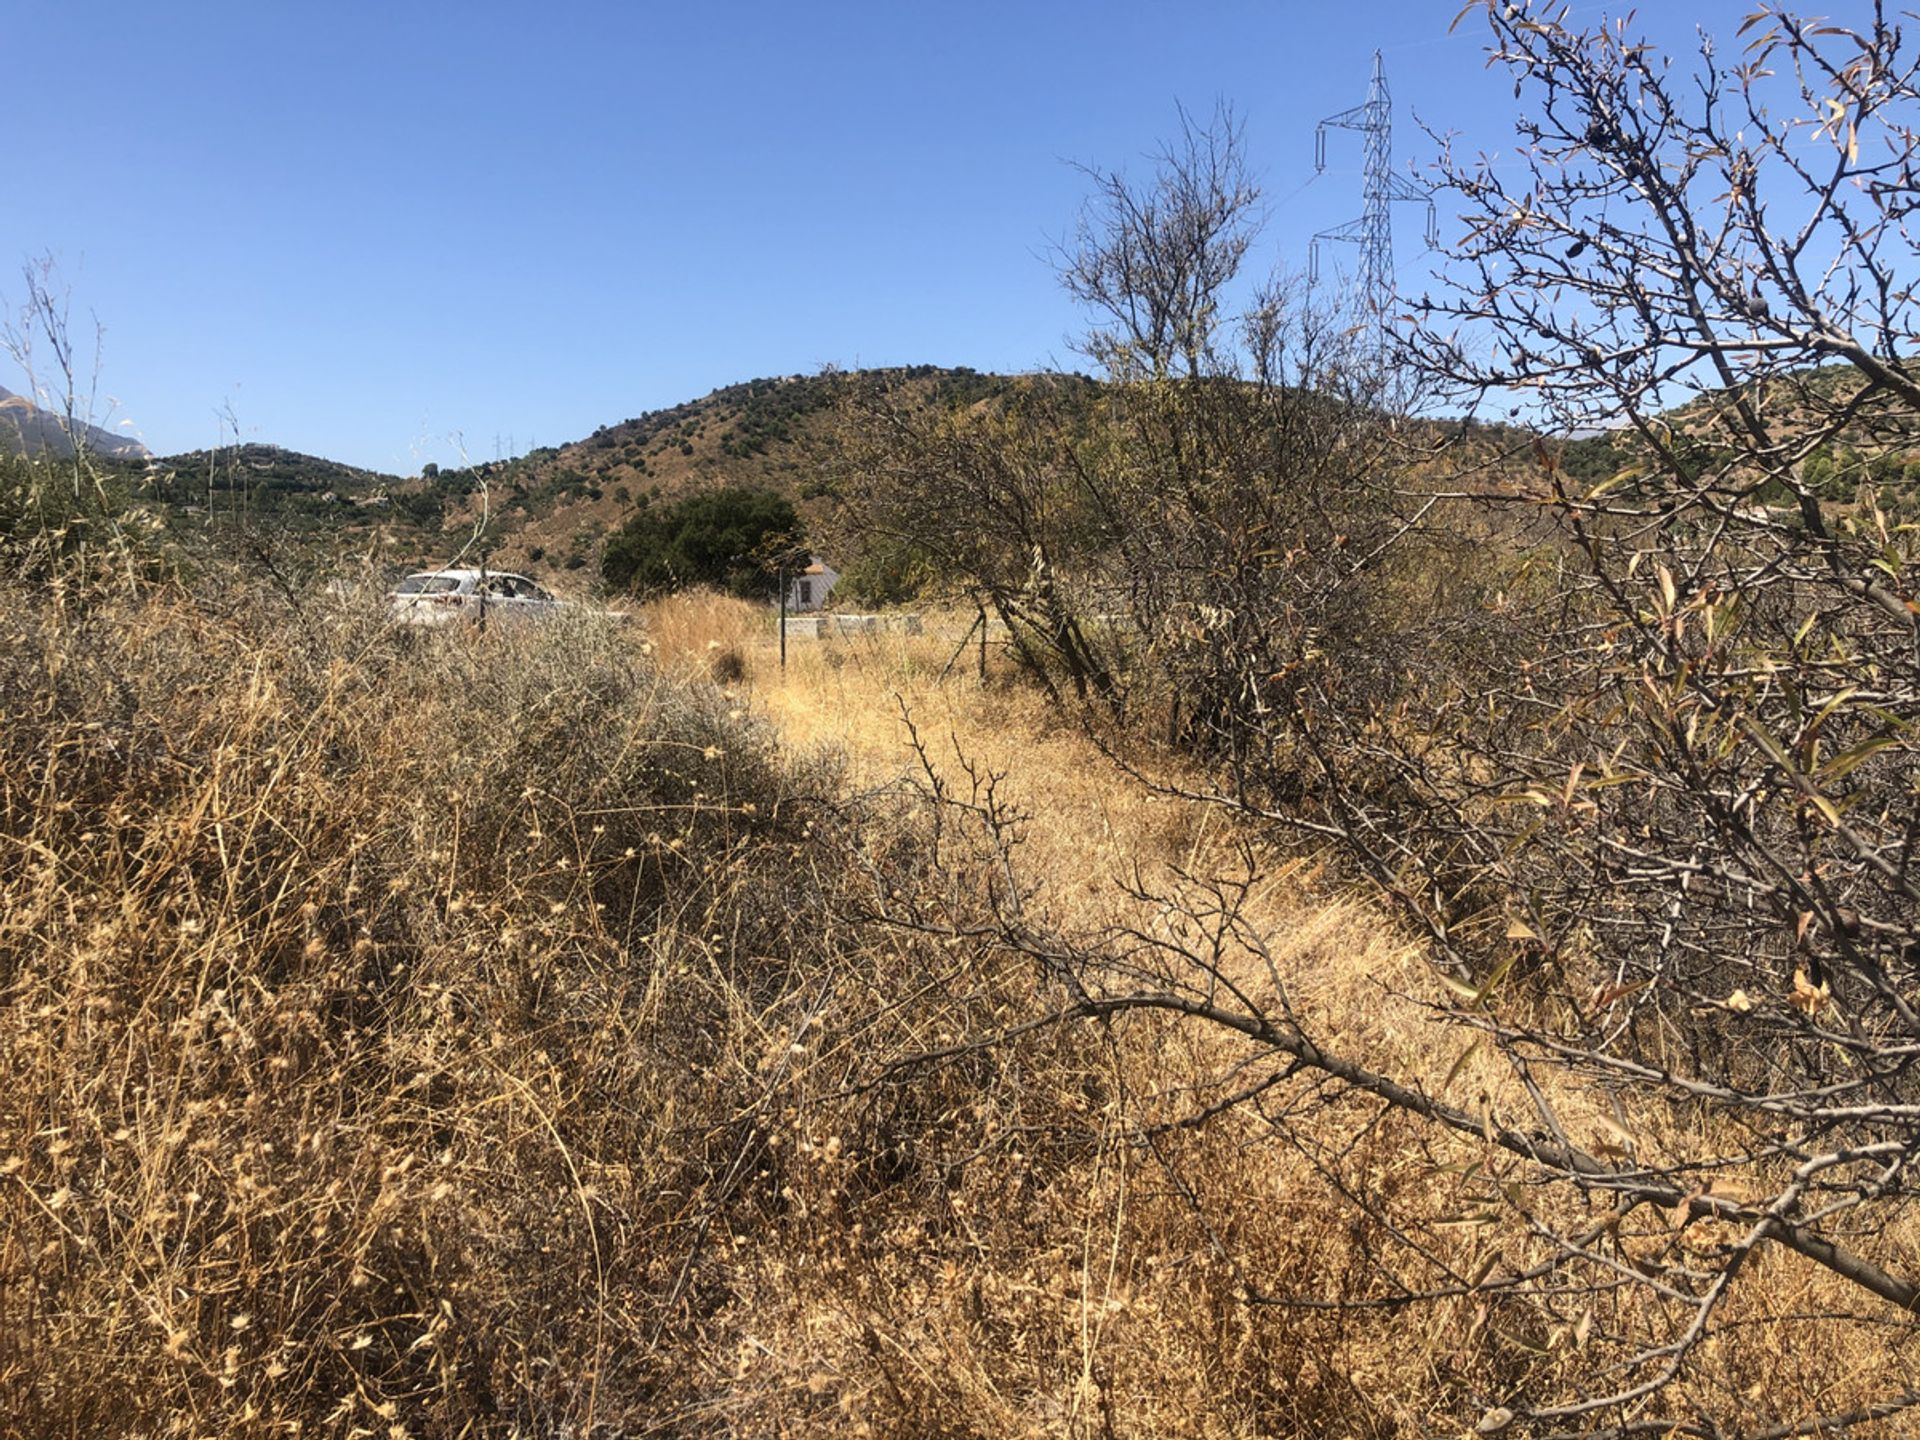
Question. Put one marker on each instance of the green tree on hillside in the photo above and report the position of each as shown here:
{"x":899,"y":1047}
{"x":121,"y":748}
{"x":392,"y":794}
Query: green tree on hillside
{"x":727,"y":538}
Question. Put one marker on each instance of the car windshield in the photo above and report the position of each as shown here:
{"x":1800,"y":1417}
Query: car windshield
{"x":428,"y":585}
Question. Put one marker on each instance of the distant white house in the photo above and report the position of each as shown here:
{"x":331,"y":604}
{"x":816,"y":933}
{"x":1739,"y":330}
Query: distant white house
{"x":809,"y":589}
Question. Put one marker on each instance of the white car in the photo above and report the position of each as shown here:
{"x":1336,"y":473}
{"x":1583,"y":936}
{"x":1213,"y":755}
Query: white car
{"x":440,"y":597}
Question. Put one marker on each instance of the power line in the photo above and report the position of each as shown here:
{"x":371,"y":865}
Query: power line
{"x":1373,"y":231}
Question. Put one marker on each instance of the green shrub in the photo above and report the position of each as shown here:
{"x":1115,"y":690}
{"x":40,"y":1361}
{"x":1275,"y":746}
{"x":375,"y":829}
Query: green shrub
{"x":725,"y":538}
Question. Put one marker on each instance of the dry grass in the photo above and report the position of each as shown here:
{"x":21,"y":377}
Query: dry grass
{"x":866,"y":696}
{"x":488,"y":1036}
{"x":1175,"y":1238}
{"x":701,"y":635}
{"x":359,"y":992}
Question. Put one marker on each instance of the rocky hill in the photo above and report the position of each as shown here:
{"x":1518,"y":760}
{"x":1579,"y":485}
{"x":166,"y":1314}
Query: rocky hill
{"x":26,"y":429}
{"x":550,"y":512}
{"x":554,"y":507}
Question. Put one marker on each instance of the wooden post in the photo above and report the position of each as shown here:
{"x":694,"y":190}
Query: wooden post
{"x":783,"y":618}
{"x":983,"y":644}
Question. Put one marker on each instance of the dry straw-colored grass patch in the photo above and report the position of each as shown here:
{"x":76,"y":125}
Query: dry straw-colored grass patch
{"x":511,"y":1035}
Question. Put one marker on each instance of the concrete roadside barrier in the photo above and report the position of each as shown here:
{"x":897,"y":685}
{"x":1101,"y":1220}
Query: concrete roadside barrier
{"x":830,"y":626}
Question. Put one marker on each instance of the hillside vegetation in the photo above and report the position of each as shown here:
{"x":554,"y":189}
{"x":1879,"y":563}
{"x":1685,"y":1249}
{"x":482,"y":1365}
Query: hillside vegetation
{"x":263,"y":489}
{"x":556,"y":507}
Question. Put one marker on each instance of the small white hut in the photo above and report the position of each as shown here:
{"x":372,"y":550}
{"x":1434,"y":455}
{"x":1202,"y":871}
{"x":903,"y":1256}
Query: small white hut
{"x":808,"y":590}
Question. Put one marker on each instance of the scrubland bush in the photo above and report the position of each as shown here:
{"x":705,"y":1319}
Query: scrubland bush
{"x":67,"y":520}
{"x":496,"y":1034}
{"x":364,"y":1000}
{"x":1632,"y":752}
{"x":491,"y":1034}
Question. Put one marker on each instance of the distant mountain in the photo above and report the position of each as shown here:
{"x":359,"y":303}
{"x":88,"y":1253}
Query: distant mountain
{"x":554,"y":508}
{"x":270,"y":469}
{"x":270,"y":486}
{"x":26,"y":429}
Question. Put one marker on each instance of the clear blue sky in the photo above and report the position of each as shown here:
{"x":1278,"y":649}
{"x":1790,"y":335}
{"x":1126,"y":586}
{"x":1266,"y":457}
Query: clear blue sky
{"x":367,"y":228}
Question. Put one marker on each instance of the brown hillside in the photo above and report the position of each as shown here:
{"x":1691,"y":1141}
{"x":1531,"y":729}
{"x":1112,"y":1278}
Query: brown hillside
{"x":553,"y":509}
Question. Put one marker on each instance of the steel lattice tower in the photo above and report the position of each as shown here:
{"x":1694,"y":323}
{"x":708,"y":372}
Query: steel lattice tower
{"x":1373,"y":231}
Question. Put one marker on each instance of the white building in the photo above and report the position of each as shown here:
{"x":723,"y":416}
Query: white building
{"x":809,"y":589}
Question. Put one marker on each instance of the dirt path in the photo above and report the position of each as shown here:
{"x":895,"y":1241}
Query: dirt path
{"x":1091,"y":825}
{"x":1088,"y":824}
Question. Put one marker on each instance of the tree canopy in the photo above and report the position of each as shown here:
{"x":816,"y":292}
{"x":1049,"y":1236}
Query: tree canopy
{"x":732,"y":539}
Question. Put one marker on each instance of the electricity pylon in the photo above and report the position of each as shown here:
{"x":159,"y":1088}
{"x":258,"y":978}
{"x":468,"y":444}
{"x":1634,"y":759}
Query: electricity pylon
{"x":1373,"y":231}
